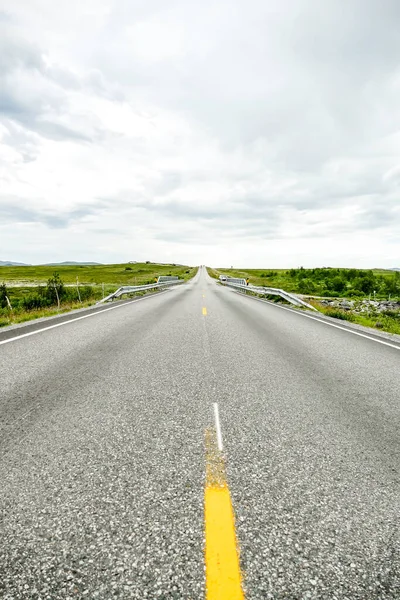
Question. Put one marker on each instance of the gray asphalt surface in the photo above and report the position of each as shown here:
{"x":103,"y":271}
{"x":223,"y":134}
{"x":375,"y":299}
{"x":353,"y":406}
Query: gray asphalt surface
{"x":102,"y":461}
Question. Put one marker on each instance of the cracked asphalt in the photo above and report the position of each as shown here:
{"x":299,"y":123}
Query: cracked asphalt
{"x":102,"y":460}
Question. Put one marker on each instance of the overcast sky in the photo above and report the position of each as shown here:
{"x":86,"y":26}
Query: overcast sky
{"x":258,"y":133}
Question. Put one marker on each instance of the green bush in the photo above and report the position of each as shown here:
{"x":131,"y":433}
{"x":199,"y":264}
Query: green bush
{"x":3,"y":296}
{"x":34,"y":302}
{"x":86,"y":292}
{"x":330,"y":294}
{"x":306,"y":286}
{"x":338,"y":284}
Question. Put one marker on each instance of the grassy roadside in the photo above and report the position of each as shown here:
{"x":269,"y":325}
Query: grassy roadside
{"x":14,"y":317}
{"x":31,"y":299}
{"x":22,"y":316}
{"x":384,"y":322}
{"x":214,"y":273}
{"x":388,"y":321}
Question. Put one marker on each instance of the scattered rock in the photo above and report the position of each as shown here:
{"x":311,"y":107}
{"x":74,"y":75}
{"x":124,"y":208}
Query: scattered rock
{"x":364,"y":306}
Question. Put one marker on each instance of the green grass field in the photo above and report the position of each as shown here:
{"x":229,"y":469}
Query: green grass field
{"x":123,"y":274}
{"x":25,"y":285}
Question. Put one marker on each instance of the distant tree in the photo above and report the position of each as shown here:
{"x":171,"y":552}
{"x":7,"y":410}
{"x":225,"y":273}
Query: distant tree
{"x":366,"y":284}
{"x":306,"y":286}
{"x":302,"y":273}
{"x":351,"y":274}
{"x":338,"y":284}
{"x":3,"y":295}
{"x":55,"y":290}
{"x":392,"y":284}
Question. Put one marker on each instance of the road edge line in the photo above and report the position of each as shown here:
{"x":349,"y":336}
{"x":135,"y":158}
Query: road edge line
{"x":363,"y":335}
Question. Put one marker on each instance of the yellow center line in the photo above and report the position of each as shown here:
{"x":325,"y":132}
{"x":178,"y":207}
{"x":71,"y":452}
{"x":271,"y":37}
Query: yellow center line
{"x":204,"y":311}
{"x":223,"y":576}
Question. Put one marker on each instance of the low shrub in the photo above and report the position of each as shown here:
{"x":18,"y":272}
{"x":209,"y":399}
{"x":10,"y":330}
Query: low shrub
{"x":34,"y":302}
{"x":86,"y":292}
{"x":354,"y":293}
{"x":336,"y":313}
{"x":330,"y":294}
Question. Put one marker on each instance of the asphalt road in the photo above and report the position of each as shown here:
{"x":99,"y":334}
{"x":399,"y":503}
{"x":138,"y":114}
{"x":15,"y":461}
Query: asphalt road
{"x":102,"y":459}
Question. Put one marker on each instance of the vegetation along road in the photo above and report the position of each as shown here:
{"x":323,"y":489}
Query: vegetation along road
{"x":31,"y":292}
{"x":198,"y":427}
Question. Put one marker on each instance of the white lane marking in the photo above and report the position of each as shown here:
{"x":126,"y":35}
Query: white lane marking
{"x":94,"y":314}
{"x":218,"y":427}
{"x":327,"y":323}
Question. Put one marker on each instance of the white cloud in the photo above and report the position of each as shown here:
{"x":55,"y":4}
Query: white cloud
{"x":253,"y":133}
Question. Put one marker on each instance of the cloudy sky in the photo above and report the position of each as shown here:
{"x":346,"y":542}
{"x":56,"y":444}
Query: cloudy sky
{"x":258,"y":133}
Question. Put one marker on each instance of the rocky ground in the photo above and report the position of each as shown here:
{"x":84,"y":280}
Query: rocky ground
{"x":363,"y":306}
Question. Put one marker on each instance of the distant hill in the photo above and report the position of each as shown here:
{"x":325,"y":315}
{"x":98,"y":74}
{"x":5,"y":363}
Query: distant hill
{"x":70,"y":263}
{"x":9,"y":263}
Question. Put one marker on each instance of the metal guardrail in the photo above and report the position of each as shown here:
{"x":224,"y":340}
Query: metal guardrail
{"x":166,"y":278}
{"x":238,"y":280}
{"x":266,"y":291}
{"x":129,"y":289}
